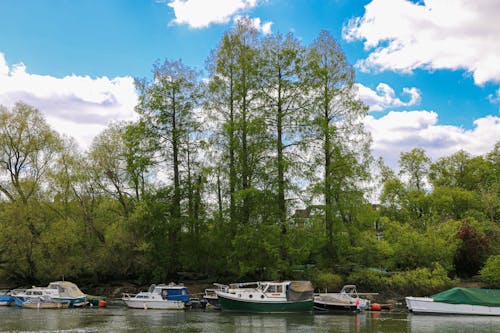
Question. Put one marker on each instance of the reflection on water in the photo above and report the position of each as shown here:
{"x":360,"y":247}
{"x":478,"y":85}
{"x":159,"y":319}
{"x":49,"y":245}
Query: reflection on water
{"x":121,"y":319}
{"x":449,"y":323}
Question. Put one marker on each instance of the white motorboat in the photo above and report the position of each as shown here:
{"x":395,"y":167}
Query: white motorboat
{"x":463,"y":301}
{"x":160,"y":297}
{"x":346,"y":300}
{"x":58,"y":291}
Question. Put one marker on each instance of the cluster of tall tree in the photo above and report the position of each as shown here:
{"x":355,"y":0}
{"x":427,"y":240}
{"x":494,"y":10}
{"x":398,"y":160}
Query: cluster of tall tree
{"x":210,"y":177}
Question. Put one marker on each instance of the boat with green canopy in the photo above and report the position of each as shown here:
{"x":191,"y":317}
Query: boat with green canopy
{"x":466,"y":301}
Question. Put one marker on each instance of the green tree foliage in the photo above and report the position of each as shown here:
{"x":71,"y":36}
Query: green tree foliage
{"x":263,"y":172}
{"x":336,"y":127}
{"x":166,"y":105}
{"x":489,"y":273}
{"x":28,"y":148}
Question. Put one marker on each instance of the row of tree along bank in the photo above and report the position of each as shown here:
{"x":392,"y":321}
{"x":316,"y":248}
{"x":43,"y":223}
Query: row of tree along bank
{"x":211,"y":178}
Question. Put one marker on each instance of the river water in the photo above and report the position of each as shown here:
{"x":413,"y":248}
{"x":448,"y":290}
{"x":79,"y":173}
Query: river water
{"x":117,"y":318}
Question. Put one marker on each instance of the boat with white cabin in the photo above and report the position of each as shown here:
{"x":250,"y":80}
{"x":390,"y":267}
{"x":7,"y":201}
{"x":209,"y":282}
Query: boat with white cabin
{"x":161,"y":297}
{"x":58,"y":291}
{"x":269,"y":297}
{"x":39,"y":298}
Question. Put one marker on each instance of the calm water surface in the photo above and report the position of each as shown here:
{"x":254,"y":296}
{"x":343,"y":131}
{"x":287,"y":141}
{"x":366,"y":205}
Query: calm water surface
{"x":121,"y":319}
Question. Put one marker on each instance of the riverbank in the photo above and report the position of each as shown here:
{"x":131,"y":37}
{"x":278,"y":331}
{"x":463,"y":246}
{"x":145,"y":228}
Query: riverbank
{"x":115,"y":289}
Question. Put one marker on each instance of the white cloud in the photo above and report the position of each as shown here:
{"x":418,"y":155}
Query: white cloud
{"x":265,"y":28}
{"x":495,"y":98}
{"x":79,"y":106}
{"x":432,"y":34}
{"x":399,"y":132}
{"x":201,"y":13}
{"x":384,"y":97}
{"x":4,"y":68}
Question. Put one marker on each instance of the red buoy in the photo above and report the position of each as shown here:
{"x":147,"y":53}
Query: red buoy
{"x":376,"y":307}
{"x":102,"y":303}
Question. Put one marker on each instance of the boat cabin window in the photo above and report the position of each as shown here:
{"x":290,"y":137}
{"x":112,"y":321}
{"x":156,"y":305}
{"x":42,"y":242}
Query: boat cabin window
{"x":274,"y":288}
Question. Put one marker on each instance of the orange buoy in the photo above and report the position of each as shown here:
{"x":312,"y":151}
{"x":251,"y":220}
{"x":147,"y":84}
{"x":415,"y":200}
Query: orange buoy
{"x":376,"y":307}
{"x":102,"y":303}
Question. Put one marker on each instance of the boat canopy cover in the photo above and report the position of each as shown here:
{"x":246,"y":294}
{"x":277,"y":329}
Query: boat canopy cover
{"x":473,"y":296}
{"x":300,"y":291}
{"x":66,"y":289}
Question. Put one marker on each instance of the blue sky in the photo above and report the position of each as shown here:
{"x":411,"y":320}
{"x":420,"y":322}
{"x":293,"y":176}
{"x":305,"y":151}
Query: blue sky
{"x":429,"y":70}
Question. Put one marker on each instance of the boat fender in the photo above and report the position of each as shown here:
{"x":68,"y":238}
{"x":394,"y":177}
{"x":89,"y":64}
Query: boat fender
{"x":102,"y":303}
{"x":376,"y":307}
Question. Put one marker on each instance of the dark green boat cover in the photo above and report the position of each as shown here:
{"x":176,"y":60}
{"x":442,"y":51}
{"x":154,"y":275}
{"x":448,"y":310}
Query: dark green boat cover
{"x":474,"y":296}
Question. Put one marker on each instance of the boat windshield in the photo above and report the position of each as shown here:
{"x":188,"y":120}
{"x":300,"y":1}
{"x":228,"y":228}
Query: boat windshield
{"x":274,"y":288}
{"x":151,"y":288}
{"x":262,"y":286}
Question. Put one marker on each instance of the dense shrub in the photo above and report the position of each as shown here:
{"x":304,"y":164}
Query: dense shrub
{"x":421,"y":281}
{"x":490,"y":273}
{"x":327,"y":281}
{"x":472,"y":253}
{"x":369,"y":280}
{"x":417,"y":282}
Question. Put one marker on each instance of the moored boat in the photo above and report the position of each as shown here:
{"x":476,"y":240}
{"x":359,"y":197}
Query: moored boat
{"x":39,"y":298}
{"x":34,"y":293}
{"x":269,"y":297}
{"x":68,"y":291}
{"x":58,"y":291}
{"x":5,"y":298}
{"x":464,"y":301}
{"x":347,"y":300}
{"x":161,"y":297}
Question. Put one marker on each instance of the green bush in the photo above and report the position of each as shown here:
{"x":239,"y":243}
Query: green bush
{"x":327,"y":281}
{"x":369,"y":280}
{"x":421,"y":281}
{"x":490,"y":273}
{"x":417,"y":282}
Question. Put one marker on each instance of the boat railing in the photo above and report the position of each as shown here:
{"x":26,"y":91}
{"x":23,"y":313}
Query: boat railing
{"x":128,"y":295}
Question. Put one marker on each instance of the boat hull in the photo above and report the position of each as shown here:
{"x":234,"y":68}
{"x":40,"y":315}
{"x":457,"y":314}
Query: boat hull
{"x":426,"y":305}
{"x":47,"y":305}
{"x":213,"y":301}
{"x":335,"y":307}
{"x":154,"y":304}
{"x":39,"y":304}
{"x":6,"y":300}
{"x":240,"y":305}
{"x":73,"y":302}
